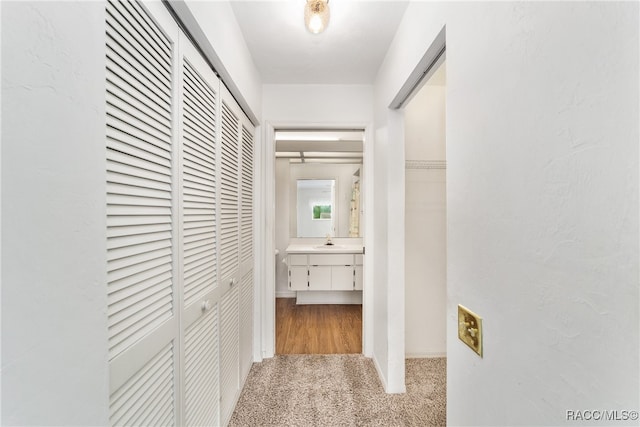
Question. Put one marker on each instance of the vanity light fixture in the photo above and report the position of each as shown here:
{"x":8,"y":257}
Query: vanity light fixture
{"x":316,"y":15}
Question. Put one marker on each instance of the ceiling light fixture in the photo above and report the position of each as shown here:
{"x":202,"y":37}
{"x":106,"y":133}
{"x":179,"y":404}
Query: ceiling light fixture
{"x":316,"y":15}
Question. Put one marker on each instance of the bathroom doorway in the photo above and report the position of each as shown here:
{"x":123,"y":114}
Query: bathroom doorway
{"x":318,"y":200}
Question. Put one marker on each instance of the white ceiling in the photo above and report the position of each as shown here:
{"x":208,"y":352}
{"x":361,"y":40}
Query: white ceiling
{"x":349,"y":51}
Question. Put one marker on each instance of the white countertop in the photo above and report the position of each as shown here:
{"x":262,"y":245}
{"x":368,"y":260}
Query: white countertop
{"x":323,"y":249}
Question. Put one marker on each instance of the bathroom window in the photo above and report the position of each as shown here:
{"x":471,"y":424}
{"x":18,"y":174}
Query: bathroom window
{"x":321,"y":212}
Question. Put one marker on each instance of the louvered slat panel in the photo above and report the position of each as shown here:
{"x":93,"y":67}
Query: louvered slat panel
{"x":145,"y":26}
{"x":247,"y":196}
{"x":120,"y":21}
{"x":146,"y":399}
{"x":199,"y":181}
{"x":246,"y":322}
{"x":202,"y":371}
{"x":139,"y":179}
{"x":229,"y":192}
{"x":229,"y":351}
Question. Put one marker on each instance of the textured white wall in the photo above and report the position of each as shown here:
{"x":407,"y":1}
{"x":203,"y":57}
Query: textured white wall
{"x":542,"y":202}
{"x":317,"y":104}
{"x":54,"y":328}
{"x":425,"y":226}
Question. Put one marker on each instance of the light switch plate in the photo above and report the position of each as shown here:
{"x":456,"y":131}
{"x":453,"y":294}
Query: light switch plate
{"x":470,"y":329}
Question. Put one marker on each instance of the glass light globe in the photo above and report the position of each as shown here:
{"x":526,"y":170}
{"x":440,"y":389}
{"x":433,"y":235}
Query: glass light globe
{"x":316,"y":15}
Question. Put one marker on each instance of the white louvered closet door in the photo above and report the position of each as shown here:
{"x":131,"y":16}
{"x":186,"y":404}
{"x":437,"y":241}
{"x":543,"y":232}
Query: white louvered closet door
{"x":229,"y":185}
{"x":141,"y":223}
{"x":199,"y":132}
{"x":179,"y":227}
{"x":246,"y":248}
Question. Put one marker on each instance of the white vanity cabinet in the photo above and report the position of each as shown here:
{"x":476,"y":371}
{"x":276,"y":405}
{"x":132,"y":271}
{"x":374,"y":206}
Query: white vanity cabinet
{"x":324,"y":272}
{"x":331,"y":272}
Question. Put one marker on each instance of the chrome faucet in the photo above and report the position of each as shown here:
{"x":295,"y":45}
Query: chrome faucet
{"x":328,"y":242}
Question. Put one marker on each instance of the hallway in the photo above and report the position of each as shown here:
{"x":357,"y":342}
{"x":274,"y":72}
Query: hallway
{"x":138,"y":224}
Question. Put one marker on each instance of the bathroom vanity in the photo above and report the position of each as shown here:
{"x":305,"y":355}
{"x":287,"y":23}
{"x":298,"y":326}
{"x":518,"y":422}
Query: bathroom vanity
{"x":323,"y":274}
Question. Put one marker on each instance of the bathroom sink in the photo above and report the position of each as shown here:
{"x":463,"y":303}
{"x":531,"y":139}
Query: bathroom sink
{"x":329,"y":247}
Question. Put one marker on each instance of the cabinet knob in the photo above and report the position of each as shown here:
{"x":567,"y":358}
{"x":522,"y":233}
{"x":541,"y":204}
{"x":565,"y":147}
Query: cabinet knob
{"x":206,"y":305}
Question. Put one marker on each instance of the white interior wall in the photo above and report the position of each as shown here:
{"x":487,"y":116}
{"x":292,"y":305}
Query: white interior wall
{"x":282,"y":227}
{"x":317,"y":106}
{"x":542,"y":202}
{"x":425,"y":224}
{"x":380,"y":306}
{"x":395,"y":296}
{"x":54,"y":328}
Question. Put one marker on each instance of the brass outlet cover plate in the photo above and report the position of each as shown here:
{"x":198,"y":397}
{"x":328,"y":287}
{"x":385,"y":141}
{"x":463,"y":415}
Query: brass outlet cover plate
{"x":470,"y":329}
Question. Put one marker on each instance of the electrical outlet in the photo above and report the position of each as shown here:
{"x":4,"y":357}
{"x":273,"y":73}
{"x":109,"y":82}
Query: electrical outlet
{"x":470,"y":329}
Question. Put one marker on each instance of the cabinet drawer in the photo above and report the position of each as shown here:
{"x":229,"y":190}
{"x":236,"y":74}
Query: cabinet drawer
{"x":297,"y":260}
{"x":358,"y":259}
{"x":331,"y":259}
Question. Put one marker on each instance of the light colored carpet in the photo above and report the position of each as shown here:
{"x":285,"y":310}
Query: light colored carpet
{"x":339,"y":390}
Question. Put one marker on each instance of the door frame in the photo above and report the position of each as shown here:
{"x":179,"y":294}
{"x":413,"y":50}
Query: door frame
{"x":266,"y":243}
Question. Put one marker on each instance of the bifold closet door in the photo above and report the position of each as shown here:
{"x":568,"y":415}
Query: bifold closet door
{"x":141,"y":221}
{"x":199,"y":131}
{"x":246,"y":248}
{"x":230,"y":145}
{"x":179,"y":227}
{"x":236,"y":251}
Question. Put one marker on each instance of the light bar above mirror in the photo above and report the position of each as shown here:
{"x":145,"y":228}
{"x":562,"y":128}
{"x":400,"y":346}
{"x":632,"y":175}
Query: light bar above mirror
{"x":315,"y":146}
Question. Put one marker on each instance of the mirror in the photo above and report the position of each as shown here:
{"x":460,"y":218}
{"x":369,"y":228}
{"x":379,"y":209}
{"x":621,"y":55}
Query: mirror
{"x":315,"y":205}
{"x":321,"y":170}
{"x":334,"y":187}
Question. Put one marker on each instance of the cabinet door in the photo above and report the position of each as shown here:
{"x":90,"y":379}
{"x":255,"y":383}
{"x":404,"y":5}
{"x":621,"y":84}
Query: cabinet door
{"x":320,"y":278}
{"x":358,"y":278}
{"x":342,"y":278}
{"x":298,"y":278}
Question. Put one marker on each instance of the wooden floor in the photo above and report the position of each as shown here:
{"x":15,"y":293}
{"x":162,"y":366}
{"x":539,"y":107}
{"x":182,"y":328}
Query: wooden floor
{"x":317,"y":328}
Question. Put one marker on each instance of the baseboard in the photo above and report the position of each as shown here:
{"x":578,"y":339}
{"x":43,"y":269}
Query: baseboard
{"x":431,"y":355}
{"x":381,"y":377}
{"x":329,"y":297}
{"x":285,"y":294}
